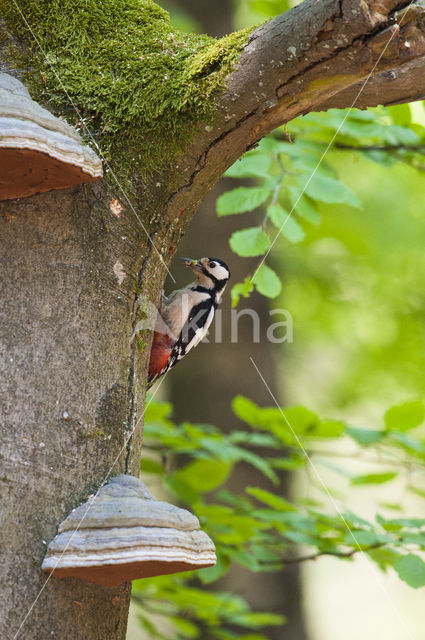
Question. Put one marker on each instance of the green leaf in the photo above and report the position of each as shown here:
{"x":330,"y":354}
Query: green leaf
{"x":241,"y":199}
{"x":241,"y":289}
{"x":269,"y":418}
{"x":408,"y":443}
{"x":405,"y":416}
{"x":383,"y":557}
{"x":246,"y":559}
{"x":381,"y":157}
{"x":229,"y":452}
{"x":305,"y":209}
{"x":188,"y":628}
{"x":292,"y":230}
{"x":271,"y":499}
{"x":265,"y":555}
{"x":410,"y":523}
{"x":358,"y":114}
{"x":267,"y":282}
{"x":250,"y":166}
{"x":400,"y":135}
{"x":252,"y":438}
{"x":228,"y":527}
{"x":301,"y":538}
{"x":301,"y":420}
{"x":245,"y":409}
{"x":286,"y":223}
{"x":364,"y":436}
{"x":365,"y":538}
{"x":417,"y":491}
{"x":147,"y":465}
{"x":400,"y":114}
{"x":388,"y":525}
{"x":211,"y":574}
{"x":249,"y":242}
{"x":411,"y":569}
{"x":374,"y":478}
{"x":394,"y":506}
{"x":355,"y":521}
{"x":277,"y":214}
{"x":261,"y":464}
{"x":147,"y":624}
{"x":328,"y":429}
{"x":330,"y":190}
{"x":158,"y":411}
{"x":408,"y":537}
{"x":255,"y":620}
{"x":203,"y":475}
{"x":269,"y":143}
{"x":289,"y":464}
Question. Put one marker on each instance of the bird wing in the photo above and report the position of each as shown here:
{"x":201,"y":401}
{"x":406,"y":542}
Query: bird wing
{"x":165,"y":355}
{"x":197,"y":324}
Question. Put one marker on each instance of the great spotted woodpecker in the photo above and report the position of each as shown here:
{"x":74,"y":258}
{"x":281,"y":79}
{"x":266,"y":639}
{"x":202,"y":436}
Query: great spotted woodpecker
{"x":185,"y":316}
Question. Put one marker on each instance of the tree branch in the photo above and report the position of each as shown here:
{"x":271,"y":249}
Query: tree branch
{"x":313,"y":57}
{"x":336,"y":554}
{"x":420,"y":148}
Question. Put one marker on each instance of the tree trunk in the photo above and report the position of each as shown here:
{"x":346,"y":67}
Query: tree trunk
{"x":69,"y":396}
{"x":72,"y":380}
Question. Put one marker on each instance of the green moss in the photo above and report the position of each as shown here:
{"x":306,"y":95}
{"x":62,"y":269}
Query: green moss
{"x":141,"y":314}
{"x":92,"y":435}
{"x":141,"y":344}
{"x":139,"y":85}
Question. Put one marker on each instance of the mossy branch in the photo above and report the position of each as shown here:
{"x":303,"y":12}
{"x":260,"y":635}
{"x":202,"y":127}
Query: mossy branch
{"x":173,"y":111}
{"x":139,"y":85}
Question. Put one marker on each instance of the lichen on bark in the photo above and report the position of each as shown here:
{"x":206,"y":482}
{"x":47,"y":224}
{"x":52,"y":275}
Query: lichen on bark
{"x":139,"y":84}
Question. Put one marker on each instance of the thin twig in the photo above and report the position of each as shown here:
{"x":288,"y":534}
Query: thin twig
{"x":336,"y":554}
{"x":380,"y":147}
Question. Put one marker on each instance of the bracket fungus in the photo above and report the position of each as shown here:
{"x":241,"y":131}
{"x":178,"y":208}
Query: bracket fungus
{"x":123,"y":533}
{"x":38,"y":151}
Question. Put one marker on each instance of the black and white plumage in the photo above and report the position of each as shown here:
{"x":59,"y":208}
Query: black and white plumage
{"x":185,"y":316}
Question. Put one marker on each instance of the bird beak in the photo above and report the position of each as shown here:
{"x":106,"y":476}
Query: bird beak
{"x":195,"y":265}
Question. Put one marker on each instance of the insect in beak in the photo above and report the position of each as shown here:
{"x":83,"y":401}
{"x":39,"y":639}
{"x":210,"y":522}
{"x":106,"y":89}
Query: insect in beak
{"x":195,"y":265}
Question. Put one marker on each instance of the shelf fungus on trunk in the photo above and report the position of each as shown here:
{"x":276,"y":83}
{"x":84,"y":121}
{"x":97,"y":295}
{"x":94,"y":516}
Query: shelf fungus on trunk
{"x":123,"y":533}
{"x":38,"y":151}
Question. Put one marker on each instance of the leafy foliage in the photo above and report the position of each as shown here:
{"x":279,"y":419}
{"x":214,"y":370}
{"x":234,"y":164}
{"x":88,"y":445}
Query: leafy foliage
{"x":411,"y":569}
{"x":295,"y":177}
{"x":260,"y":529}
{"x":266,"y":282}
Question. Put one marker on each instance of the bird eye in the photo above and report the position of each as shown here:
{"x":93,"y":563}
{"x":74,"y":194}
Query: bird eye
{"x":212,"y":265}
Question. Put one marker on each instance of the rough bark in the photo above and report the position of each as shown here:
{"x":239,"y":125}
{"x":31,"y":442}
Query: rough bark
{"x":68,"y":396}
{"x":72,"y":383}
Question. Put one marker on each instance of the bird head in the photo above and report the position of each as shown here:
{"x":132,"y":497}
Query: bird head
{"x":211,"y":273}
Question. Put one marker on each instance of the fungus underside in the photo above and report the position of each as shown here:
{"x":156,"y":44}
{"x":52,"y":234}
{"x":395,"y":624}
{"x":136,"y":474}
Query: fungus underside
{"x":140,"y":86}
